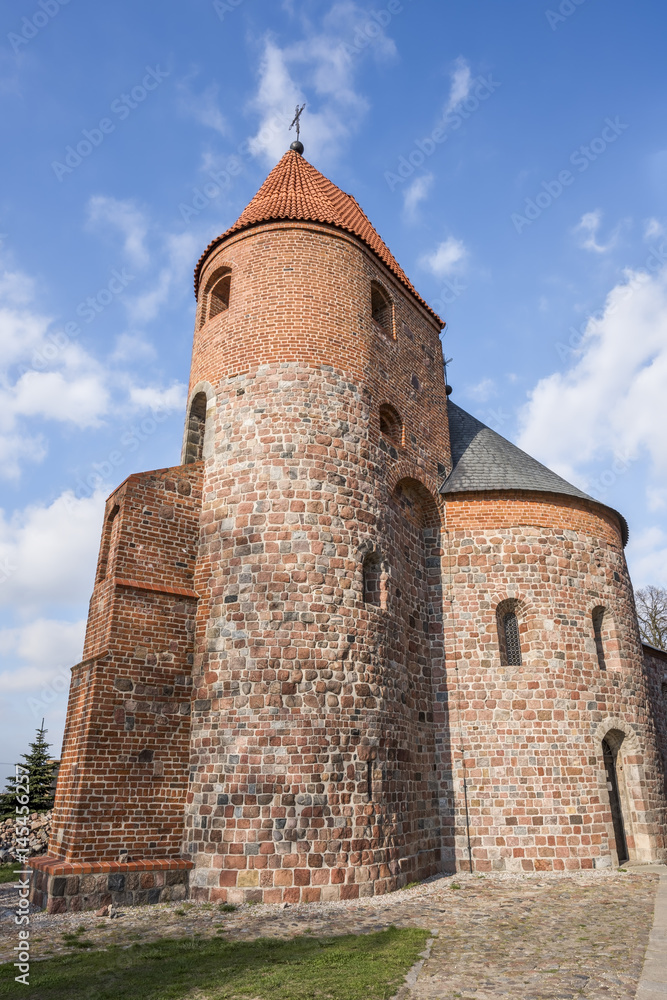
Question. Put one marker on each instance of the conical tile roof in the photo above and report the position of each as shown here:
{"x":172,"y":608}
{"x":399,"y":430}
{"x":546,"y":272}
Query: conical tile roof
{"x":484,"y":460}
{"x":296,"y":190}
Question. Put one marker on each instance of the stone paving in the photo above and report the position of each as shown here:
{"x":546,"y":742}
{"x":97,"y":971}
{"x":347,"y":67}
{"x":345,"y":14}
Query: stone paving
{"x":515,"y":937}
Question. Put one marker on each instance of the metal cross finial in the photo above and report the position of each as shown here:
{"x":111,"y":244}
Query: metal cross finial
{"x":295,"y":120}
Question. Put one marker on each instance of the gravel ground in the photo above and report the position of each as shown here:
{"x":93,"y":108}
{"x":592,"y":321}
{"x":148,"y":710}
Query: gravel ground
{"x":529,"y":937}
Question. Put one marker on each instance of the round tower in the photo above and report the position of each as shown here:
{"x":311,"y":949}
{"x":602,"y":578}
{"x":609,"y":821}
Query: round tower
{"x":317,"y":403}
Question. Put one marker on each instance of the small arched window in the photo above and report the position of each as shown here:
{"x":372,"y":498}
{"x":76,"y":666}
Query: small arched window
{"x":373,"y":580}
{"x":598,"y":620}
{"x":106,"y":542}
{"x":508,"y":634}
{"x":381,"y":310}
{"x":391,"y":424}
{"x":194,"y":446}
{"x":216,"y":295}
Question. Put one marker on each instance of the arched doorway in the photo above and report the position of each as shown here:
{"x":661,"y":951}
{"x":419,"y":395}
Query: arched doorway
{"x":610,"y":750}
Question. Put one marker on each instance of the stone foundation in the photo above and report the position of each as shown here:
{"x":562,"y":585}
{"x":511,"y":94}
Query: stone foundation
{"x":62,"y":887}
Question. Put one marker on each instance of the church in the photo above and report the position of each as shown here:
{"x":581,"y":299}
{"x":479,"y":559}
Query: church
{"x":356,"y":638}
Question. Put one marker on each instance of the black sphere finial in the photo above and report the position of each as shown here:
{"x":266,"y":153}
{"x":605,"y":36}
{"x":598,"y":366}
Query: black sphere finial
{"x":448,"y":390}
{"x":297,"y":146}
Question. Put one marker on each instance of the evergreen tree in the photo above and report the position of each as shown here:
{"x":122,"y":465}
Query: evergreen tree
{"x":39,"y":771}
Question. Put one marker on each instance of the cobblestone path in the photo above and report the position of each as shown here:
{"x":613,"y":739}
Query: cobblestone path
{"x":515,"y":937}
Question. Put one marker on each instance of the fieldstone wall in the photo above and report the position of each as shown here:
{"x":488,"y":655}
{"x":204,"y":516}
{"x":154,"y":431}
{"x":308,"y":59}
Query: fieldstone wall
{"x":312,"y":730}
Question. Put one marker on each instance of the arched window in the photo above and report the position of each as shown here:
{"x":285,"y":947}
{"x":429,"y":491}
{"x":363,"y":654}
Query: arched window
{"x":610,"y":750}
{"x":373,"y":580}
{"x":106,"y":542}
{"x":598,"y":619}
{"x":194,"y":447}
{"x":381,"y":309}
{"x":391,"y":424}
{"x":216,"y":295}
{"x":508,"y":634}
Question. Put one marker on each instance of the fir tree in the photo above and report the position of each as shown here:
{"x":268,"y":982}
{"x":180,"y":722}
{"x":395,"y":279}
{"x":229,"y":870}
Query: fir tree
{"x":39,"y":771}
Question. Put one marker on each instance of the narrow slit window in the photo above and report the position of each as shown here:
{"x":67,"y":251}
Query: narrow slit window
{"x":598,"y":619}
{"x":391,"y":425}
{"x":106,"y":542}
{"x":369,"y":780}
{"x":372,"y":570}
{"x":512,"y":643}
{"x":381,"y":309}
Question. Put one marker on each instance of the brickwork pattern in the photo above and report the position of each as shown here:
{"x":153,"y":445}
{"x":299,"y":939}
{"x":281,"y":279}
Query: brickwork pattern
{"x":531,"y":734}
{"x":123,"y":777}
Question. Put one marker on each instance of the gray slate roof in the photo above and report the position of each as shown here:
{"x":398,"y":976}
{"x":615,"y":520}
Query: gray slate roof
{"x":483,"y":460}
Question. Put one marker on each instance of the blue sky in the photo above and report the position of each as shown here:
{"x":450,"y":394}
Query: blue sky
{"x":513,"y":157}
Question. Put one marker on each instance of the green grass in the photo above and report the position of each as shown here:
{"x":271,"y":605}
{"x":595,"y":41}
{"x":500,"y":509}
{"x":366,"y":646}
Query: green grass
{"x":7,"y":872}
{"x":350,"y":967}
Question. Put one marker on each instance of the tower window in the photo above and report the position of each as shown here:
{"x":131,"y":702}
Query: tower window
{"x":216,"y":295}
{"x":391,"y":424}
{"x":106,"y":542}
{"x":512,"y":643}
{"x":381,"y":310}
{"x":598,"y":619}
{"x":373,"y":583}
{"x":194,"y":447}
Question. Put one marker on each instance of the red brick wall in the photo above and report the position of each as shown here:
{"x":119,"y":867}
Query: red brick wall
{"x":123,"y":776}
{"x":304,"y":695}
{"x":532,"y":734}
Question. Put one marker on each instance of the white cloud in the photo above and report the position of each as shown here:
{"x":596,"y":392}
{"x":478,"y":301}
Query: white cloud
{"x":647,"y":555}
{"x":81,"y":401}
{"x":653,"y":229}
{"x":324,"y":63}
{"x":153,"y":398}
{"x":460,"y":85}
{"x":446,"y":257}
{"x":48,"y":552}
{"x":611,"y":405}
{"x":43,"y":650}
{"x":587,"y":229}
{"x":180,"y":250}
{"x":125,"y":217}
{"x":416,"y":193}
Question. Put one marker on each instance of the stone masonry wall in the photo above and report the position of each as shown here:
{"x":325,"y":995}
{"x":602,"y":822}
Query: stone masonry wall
{"x":531,"y":734}
{"x":313,"y":740}
{"x":655,"y":663}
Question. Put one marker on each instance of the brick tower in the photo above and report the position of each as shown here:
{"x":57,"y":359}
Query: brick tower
{"x":332,"y":652}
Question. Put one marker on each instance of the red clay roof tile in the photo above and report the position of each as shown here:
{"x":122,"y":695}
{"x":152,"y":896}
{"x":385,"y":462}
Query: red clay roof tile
{"x":296,"y":190}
